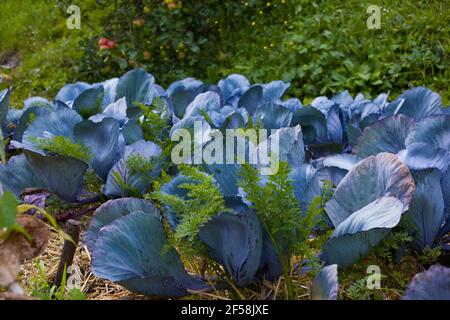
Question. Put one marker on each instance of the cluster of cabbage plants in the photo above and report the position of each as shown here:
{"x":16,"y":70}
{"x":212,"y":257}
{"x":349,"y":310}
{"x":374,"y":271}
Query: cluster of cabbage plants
{"x":387,"y":160}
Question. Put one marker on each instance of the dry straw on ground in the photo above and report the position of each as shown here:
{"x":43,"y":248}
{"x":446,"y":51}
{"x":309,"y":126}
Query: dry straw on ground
{"x":94,"y":288}
{"x":99,"y":289}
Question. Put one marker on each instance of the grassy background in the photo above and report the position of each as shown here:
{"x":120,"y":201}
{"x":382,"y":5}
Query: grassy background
{"x":329,"y":48}
{"x":49,"y":52}
{"x":322,"y":47}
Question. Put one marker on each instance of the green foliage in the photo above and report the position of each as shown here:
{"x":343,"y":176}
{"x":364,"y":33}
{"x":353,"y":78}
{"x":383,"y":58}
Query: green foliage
{"x":400,"y":278}
{"x":278,"y":208}
{"x":48,"y":51}
{"x":395,"y":276}
{"x":153,"y":122}
{"x":177,"y":39}
{"x":203,"y":202}
{"x":10,"y":208}
{"x":358,"y":290}
{"x":31,"y":118}
{"x":317,"y":206}
{"x":8,"y":212}
{"x":63,"y":146}
{"x":131,"y":191}
{"x":318,"y":57}
{"x":156,"y":126}
{"x":279,"y":211}
{"x":292,"y":40}
{"x":139,"y":164}
{"x":8,"y":204}
{"x":42,"y":289}
{"x":392,"y":245}
{"x":93,"y":182}
{"x":429,"y":256}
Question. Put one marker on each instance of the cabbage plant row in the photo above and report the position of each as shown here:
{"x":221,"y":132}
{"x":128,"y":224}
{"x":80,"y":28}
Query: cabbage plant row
{"x":388,"y":162}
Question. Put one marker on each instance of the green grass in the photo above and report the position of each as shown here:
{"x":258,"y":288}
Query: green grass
{"x":323,"y":47}
{"x":327,"y":48}
{"x":38,"y":286}
{"x":48,"y":50}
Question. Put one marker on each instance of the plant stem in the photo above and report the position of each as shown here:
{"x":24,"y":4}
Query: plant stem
{"x":68,"y":250}
{"x":285,"y":266}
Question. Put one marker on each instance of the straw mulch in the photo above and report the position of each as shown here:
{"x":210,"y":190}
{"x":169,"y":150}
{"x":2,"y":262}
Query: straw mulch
{"x":82,"y":277}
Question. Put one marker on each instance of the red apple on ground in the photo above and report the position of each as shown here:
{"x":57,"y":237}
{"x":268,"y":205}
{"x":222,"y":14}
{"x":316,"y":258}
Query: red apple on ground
{"x":103,"y":42}
{"x":171,"y":5}
{"x":112,"y":44}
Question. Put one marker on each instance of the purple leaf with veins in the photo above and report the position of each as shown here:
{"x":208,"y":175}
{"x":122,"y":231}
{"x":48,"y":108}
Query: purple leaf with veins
{"x":36,"y":197}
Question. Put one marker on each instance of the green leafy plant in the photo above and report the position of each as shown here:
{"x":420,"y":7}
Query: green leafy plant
{"x":392,"y":245}
{"x":10,"y":208}
{"x":139,"y":164}
{"x":174,"y":39}
{"x":155,"y":125}
{"x":295,"y":40}
{"x":93,"y":182}
{"x":279,"y":211}
{"x":429,"y":255}
{"x":8,"y":213}
{"x":308,"y":51}
{"x":63,"y":146}
{"x":204,"y":200}
{"x":133,"y":192}
{"x":358,"y":290}
{"x":48,"y":53}
{"x":42,"y":289}
{"x":153,"y":122}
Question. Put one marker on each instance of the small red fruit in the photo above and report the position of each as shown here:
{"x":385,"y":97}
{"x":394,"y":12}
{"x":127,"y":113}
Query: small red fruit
{"x":103,"y":42}
{"x":171,"y":5}
{"x":112,"y":44}
{"x":104,"y":48}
